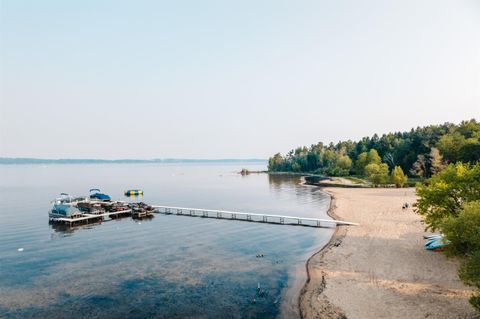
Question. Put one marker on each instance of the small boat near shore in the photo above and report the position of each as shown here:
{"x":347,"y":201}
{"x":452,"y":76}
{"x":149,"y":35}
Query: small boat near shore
{"x":435,"y":242}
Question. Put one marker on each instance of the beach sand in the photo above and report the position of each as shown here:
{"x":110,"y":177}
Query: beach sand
{"x":380,"y":269}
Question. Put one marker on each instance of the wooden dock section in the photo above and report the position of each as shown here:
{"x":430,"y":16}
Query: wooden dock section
{"x":86,"y":218}
{"x":252,"y":217}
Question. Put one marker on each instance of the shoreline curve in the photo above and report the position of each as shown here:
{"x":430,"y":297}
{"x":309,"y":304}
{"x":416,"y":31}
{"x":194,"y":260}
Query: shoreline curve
{"x":325,"y":309}
{"x":380,"y":269}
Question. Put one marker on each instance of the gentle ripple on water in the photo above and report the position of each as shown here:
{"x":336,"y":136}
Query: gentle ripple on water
{"x":167,"y":267}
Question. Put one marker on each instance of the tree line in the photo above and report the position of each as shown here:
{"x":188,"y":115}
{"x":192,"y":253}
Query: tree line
{"x":420,"y":152}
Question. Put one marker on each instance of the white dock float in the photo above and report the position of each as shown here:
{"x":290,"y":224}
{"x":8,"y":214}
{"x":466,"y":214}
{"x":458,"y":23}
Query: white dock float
{"x":87,"y":217}
{"x":251,"y":217}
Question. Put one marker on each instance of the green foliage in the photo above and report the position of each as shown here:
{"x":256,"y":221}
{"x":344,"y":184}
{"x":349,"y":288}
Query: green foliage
{"x":475,"y":301}
{"x":462,"y":143}
{"x":470,"y":274}
{"x":337,"y":165}
{"x":450,"y":146}
{"x":361,"y":162}
{"x":450,"y":202}
{"x":463,"y":231}
{"x":443,"y":195}
{"x":470,"y":269}
{"x":371,"y":169}
{"x":377,"y":173}
{"x":470,"y":151}
{"x":296,"y":167}
{"x":420,"y":152}
{"x":373,"y":157}
{"x":398,"y":177}
{"x":469,"y":129}
{"x":275,"y":163}
{"x":343,"y":165}
{"x":344,"y":162}
{"x":366,"y":158}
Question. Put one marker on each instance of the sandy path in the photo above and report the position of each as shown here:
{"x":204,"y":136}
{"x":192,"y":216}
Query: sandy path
{"x":379,"y":269}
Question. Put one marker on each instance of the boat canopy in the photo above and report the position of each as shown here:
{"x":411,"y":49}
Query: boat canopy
{"x":98,"y":195}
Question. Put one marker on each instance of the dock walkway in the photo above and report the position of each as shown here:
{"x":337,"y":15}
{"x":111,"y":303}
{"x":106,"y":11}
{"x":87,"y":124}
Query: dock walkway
{"x":90,"y":217}
{"x":251,"y":217}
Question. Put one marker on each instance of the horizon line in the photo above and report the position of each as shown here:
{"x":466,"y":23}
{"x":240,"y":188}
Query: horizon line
{"x":34,"y":160}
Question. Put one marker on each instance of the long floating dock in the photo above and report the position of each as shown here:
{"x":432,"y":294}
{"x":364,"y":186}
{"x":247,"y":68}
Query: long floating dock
{"x":251,"y":217}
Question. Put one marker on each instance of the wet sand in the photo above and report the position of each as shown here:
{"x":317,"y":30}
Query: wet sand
{"x":380,"y":269}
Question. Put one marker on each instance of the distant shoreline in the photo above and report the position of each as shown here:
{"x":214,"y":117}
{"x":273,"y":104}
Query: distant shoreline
{"x":29,"y":161}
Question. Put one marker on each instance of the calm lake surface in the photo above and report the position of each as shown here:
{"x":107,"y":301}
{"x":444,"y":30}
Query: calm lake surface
{"x":166,"y":267}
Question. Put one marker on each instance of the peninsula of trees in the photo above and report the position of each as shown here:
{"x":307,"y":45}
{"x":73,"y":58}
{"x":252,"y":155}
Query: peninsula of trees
{"x":421,"y":152}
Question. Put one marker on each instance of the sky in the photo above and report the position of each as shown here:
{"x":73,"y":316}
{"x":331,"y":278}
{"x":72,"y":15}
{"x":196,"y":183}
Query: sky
{"x":228,"y":79}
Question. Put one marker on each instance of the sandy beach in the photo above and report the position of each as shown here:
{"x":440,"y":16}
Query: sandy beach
{"x":380,"y":269}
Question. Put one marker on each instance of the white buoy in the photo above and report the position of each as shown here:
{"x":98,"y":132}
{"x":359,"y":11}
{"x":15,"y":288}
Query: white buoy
{"x":20,"y":249}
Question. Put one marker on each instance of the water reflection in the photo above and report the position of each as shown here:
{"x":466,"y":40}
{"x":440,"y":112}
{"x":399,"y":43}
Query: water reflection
{"x":166,"y":267}
{"x":70,"y":229}
{"x":278,"y":181}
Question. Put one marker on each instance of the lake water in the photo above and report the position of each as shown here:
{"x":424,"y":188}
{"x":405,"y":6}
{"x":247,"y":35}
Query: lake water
{"x":166,"y":267}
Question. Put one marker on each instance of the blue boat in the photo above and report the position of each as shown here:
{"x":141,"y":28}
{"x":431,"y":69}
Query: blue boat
{"x":436,"y":242}
{"x":96,"y":194}
{"x":65,"y":206}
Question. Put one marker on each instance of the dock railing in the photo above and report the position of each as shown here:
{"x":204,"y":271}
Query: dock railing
{"x":251,"y":217}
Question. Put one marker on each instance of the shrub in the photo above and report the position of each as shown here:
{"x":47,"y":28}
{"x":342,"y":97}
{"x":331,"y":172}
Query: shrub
{"x":463,"y":231}
{"x":398,"y":178}
{"x":377,"y":173}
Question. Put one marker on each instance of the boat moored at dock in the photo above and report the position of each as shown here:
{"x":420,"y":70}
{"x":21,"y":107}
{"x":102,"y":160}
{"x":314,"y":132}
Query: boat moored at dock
{"x":93,"y":208}
{"x":140,"y":210}
{"x":69,"y":210}
{"x":95,"y":193}
{"x":65,"y":206}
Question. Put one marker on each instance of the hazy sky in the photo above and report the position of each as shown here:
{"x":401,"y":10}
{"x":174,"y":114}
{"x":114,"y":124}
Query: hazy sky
{"x":228,"y":79}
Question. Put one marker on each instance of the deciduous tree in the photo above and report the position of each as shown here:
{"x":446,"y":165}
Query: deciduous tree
{"x":398,"y":177}
{"x":377,"y":173}
{"x":373,"y":157}
{"x":450,"y":146}
{"x":443,"y":195}
{"x":361,"y":163}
